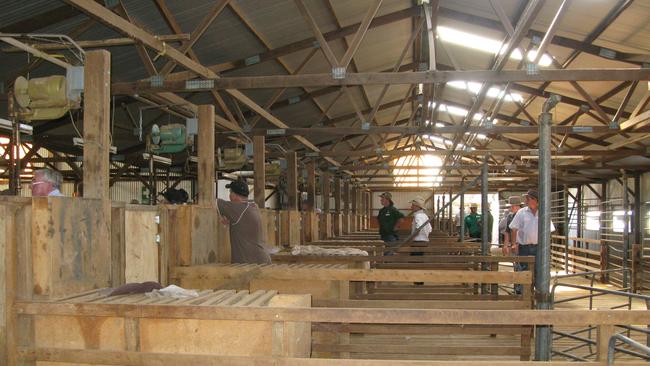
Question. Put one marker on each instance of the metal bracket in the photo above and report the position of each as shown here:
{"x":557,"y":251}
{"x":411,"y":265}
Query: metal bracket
{"x":582,"y":129}
{"x":607,"y":53}
{"x":338,"y":73}
{"x":532,"y":69}
{"x":294,"y":100}
{"x":252,"y":60}
{"x":365,"y":126}
{"x":276,"y":132}
{"x":156,"y":81}
{"x":614,"y":125}
{"x":199,"y":84}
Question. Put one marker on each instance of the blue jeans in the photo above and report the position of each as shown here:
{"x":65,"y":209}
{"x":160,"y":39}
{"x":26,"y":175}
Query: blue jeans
{"x":524,"y":250}
{"x":391,"y":240}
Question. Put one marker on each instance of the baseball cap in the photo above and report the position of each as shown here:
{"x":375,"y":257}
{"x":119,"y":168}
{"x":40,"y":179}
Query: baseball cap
{"x":387,"y":195}
{"x":533,"y":194}
{"x":238,"y":187}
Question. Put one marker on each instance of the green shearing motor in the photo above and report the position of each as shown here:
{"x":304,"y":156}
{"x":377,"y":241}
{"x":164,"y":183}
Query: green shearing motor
{"x":168,"y":139}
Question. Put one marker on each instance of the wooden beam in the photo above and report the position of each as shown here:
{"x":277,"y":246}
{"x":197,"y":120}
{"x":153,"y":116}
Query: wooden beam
{"x":377,"y":78}
{"x":97,"y":81}
{"x":259,"y":173}
{"x":636,"y":122}
{"x":324,"y":46}
{"x":292,"y":179}
{"x":114,"y":21}
{"x":206,"y":179}
{"x":37,"y":53}
{"x":361,"y":32}
{"x":197,"y":33}
{"x":100,"y":43}
{"x":346,"y":197}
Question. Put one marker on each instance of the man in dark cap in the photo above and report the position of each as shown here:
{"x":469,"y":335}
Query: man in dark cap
{"x":247,"y":243}
{"x":388,"y":218}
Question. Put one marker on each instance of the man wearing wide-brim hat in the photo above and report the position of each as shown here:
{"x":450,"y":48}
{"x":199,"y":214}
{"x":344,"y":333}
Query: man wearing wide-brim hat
{"x":509,"y":242}
{"x":524,"y":230}
{"x":420,"y":221}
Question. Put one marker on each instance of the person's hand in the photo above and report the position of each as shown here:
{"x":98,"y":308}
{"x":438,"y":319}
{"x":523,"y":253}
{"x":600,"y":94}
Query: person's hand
{"x":224,"y":220}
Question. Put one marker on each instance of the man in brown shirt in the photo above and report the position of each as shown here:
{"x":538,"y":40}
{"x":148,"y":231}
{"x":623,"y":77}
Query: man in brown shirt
{"x":246,"y":237}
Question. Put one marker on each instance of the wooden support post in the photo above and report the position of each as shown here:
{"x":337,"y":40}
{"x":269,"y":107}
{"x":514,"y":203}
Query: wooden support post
{"x":337,"y":229}
{"x":259,"y":170}
{"x":634,"y":260}
{"x":636,"y":215}
{"x":605,"y":332}
{"x":311,"y":185}
{"x":451,"y":213}
{"x":604,"y":249}
{"x":579,"y":214}
{"x":355,"y":207}
{"x":346,"y":207}
{"x":206,"y":170}
{"x":97,"y":93}
{"x":292,"y":180}
{"x":325,"y":217}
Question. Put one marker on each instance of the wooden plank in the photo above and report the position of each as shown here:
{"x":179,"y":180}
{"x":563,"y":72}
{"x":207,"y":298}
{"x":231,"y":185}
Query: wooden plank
{"x":284,"y":273}
{"x":140,"y":246}
{"x":206,"y":180}
{"x":97,"y":142}
{"x":69,"y":255}
{"x":143,"y":359}
{"x":345,"y":315}
{"x":423,"y":304}
{"x":259,"y":171}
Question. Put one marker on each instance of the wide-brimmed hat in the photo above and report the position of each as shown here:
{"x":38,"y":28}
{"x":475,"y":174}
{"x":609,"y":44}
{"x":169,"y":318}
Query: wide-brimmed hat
{"x":514,"y":201}
{"x":387,"y":195}
{"x":473,"y":205}
{"x":418,"y":201}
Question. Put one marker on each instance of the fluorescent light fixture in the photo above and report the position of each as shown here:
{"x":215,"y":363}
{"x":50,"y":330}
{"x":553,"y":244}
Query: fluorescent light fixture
{"x":78,"y":141}
{"x":157,"y":158}
{"x":8,"y":125}
{"x":438,"y":124}
{"x":484,"y":44}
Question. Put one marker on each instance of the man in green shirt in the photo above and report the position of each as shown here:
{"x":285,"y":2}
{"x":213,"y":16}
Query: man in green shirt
{"x":473,"y":222}
{"x":389,"y":217}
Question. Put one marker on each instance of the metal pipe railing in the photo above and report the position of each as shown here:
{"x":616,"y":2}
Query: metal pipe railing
{"x":611,"y":348}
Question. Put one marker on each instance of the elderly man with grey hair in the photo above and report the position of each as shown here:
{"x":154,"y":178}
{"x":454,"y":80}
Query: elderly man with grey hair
{"x":46,"y":182}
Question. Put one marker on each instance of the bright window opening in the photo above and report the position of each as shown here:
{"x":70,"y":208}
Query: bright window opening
{"x":427,"y":177}
{"x":618,"y":222}
{"x":485,"y":44}
{"x":592,"y":220}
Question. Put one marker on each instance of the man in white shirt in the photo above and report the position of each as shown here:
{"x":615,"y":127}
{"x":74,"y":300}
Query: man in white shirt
{"x":524,"y":230}
{"x":46,"y":182}
{"x":420,"y":221}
